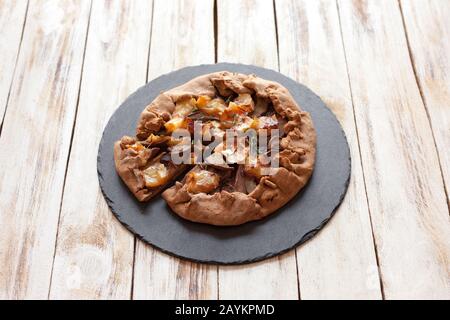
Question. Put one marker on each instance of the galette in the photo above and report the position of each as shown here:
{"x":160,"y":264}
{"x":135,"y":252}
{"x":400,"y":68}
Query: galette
{"x":223,"y":149}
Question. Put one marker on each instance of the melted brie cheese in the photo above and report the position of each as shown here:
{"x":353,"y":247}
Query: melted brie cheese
{"x":155,"y":175}
{"x":184,"y":107}
{"x":202,"y":181}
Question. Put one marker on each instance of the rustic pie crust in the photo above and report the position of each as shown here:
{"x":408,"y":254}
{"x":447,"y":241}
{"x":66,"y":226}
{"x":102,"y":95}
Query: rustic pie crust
{"x":219,"y":193}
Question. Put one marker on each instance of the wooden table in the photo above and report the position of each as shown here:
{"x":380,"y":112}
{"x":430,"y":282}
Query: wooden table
{"x":383,"y":67}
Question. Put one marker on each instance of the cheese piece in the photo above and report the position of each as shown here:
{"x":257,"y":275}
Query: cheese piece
{"x":202,"y":181}
{"x":267,"y":122}
{"x":214,"y":107}
{"x":245,"y":102}
{"x":184,"y":107}
{"x":155,"y":175}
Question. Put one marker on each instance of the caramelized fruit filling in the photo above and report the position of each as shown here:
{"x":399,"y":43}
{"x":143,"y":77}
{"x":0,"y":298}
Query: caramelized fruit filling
{"x":239,"y":112}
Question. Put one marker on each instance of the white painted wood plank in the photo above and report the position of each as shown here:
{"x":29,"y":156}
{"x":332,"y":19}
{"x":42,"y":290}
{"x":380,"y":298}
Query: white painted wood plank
{"x":94,"y":255}
{"x":246,"y":34}
{"x":182,"y":34}
{"x":339,"y":262}
{"x":35,"y":142}
{"x":404,"y":184}
{"x":428,"y":28}
{"x":12,"y":18}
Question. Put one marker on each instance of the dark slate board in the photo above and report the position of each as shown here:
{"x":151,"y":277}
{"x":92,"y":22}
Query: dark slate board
{"x":292,"y":225}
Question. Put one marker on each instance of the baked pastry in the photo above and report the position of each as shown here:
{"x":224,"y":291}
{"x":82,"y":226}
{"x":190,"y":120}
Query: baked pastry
{"x":230,"y":184}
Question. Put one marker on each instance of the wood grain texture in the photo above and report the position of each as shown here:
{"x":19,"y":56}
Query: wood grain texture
{"x":246,"y":34}
{"x":404,"y":184}
{"x":428,"y":29}
{"x":12,"y":18}
{"x":182,"y":34}
{"x":94,"y":254}
{"x":340,"y":262}
{"x":35,"y":142}
{"x":400,"y":114}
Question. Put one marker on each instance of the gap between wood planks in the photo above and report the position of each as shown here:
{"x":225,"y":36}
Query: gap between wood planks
{"x":360,"y":155}
{"x":278,"y":54}
{"x":15,"y":66}
{"x":70,"y":149}
{"x":215,"y":43}
{"x":419,"y":86}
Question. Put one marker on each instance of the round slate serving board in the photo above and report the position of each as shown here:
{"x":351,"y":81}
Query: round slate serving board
{"x":292,"y":225}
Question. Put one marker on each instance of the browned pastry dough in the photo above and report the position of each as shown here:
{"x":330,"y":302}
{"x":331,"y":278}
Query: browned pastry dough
{"x":224,"y":205}
{"x":131,"y":163}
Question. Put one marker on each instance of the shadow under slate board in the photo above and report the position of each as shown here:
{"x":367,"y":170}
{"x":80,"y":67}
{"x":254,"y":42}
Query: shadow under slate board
{"x":292,"y":225}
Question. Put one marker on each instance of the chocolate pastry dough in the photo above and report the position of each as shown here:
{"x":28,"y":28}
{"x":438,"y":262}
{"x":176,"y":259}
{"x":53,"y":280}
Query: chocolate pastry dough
{"x":217,"y":193}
